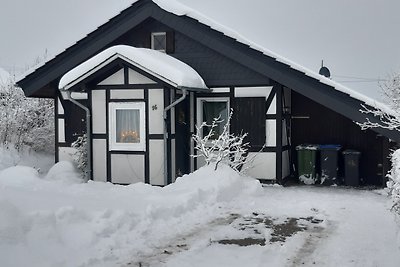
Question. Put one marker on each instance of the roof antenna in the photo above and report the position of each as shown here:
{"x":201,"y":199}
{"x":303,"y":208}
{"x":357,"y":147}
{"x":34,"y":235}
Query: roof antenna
{"x":324,"y":71}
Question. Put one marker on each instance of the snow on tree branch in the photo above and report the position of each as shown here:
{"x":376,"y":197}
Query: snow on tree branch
{"x":222,"y":147}
{"x":387,"y":120}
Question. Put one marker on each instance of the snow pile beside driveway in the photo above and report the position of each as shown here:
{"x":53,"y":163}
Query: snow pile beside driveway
{"x":59,"y":221}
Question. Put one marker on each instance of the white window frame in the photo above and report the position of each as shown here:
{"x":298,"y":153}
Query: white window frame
{"x":113,"y":107}
{"x":153,"y":34}
{"x":199,"y":103}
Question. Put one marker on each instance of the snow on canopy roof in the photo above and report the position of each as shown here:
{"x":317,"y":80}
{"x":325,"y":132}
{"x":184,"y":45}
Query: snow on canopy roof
{"x":158,"y":64}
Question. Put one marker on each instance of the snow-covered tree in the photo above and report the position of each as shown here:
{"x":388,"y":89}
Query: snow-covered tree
{"x":25,"y":122}
{"x":217,"y":148}
{"x":389,"y":119}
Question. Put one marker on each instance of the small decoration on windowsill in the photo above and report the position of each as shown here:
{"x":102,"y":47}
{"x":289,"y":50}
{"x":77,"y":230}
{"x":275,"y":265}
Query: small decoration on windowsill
{"x":129,"y":137}
{"x":154,"y":107}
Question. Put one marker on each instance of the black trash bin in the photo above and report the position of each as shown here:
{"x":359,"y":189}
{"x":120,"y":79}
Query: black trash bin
{"x":351,"y":167}
{"x":329,"y":159}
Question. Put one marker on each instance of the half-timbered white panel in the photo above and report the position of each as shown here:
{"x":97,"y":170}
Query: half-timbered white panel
{"x":61,"y":131}
{"x":156,"y":160}
{"x":127,"y":94}
{"x":221,"y":90}
{"x":99,"y":111}
{"x":137,"y":78}
{"x":270,"y":132}
{"x":60,"y":107}
{"x":127,"y":169}
{"x":253,"y":91}
{"x":272,"y":107}
{"x":156,"y":108}
{"x":116,"y":78}
{"x":99,"y":160}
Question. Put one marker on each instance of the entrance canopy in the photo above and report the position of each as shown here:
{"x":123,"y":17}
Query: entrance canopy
{"x":158,"y":64}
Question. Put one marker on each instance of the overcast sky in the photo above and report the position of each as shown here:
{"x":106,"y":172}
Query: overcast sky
{"x":356,"y":38}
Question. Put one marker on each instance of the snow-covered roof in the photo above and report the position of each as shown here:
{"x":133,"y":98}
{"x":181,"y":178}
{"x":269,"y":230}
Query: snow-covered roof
{"x":180,"y":9}
{"x":158,"y":64}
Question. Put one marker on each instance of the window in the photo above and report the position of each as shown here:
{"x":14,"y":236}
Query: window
{"x":159,"y":41}
{"x":127,"y":126}
{"x":210,"y":108}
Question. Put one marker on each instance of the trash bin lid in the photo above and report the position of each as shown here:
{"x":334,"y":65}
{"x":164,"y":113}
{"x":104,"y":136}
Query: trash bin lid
{"x":351,"y":152}
{"x":330,"y":147}
{"x":307,"y":147}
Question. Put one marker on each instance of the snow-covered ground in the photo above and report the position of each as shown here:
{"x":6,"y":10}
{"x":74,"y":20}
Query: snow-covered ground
{"x":207,"y":218}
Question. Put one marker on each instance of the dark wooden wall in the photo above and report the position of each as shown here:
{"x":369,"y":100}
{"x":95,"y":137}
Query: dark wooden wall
{"x":325,"y":126}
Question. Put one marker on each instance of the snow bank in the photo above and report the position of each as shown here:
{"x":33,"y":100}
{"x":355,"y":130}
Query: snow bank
{"x":11,"y":157}
{"x":156,"y":63}
{"x":55,"y":221}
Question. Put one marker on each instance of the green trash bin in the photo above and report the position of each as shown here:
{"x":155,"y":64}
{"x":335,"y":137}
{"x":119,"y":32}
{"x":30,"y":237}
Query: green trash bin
{"x":307,"y":163}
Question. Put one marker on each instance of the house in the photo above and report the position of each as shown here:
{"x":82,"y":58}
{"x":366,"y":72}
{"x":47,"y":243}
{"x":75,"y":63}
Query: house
{"x":141,"y":106}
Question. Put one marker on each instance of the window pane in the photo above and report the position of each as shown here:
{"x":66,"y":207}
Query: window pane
{"x":213,"y":110}
{"x":127,"y":126}
{"x":160,"y":42}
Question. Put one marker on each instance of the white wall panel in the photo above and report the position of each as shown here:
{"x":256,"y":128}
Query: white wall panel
{"x":127,"y":94}
{"x":156,"y":154}
{"x":61,"y":131}
{"x":272,"y":107}
{"x":99,"y":160}
{"x":60,"y":108}
{"x":99,"y":120}
{"x":65,"y":153}
{"x":262,"y":165}
{"x":116,"y":78}
{"x":137,"y":78}
{"x":221,"y":90}
{"x":156,"y":108}
{"x":253,"y":91}
{"x":127,"y":169}
{"x":270,"y":132}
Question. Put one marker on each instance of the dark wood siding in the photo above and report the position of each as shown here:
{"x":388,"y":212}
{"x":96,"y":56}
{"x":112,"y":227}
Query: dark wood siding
{"x":215,"y":69}
{"x":316,"y":124}
{"x":249,"y":117}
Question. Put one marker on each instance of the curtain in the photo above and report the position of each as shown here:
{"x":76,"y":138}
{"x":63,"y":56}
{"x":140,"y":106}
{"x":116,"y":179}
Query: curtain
{"x":128,"y":126}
